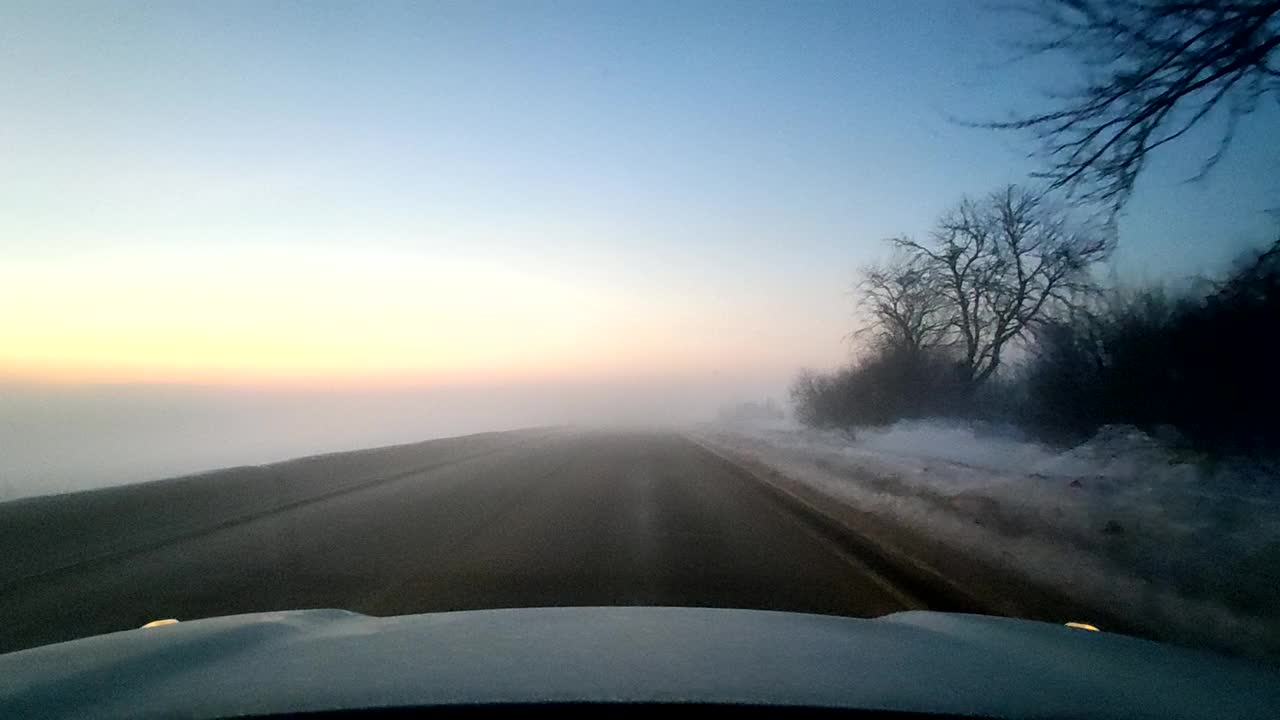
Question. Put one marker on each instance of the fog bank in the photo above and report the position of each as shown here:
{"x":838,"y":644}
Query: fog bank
{"x":64,"y":438}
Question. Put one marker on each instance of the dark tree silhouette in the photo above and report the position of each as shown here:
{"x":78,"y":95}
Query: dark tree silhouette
{"x":902,"y":297}
{"x":1201,"y":361}
{"x":991,"y":270}
{"x":1156,"y":69}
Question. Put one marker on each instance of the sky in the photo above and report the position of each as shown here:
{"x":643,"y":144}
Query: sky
{"x":491,"y":195}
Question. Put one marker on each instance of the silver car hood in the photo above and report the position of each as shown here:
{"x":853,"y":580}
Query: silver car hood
{"x":313,"y":660}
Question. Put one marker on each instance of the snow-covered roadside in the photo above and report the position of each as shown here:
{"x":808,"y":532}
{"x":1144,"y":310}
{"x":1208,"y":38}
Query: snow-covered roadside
{"x":1120,"y":522}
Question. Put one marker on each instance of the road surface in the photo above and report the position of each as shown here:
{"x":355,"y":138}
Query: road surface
{"x":565,"y":518}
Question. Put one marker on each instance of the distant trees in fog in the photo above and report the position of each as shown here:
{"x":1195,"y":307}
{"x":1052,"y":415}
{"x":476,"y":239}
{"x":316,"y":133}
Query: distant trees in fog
{"x":942,"y":314}
{"x":1202,"y":361}
{"x":888,"y":383}
{"x":1154,"y":70}
{"x":751,"y":411}
{"x":991,"y":270}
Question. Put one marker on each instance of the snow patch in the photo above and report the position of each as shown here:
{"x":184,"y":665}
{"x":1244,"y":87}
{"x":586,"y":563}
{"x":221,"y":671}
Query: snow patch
{"x":1115,"y":521}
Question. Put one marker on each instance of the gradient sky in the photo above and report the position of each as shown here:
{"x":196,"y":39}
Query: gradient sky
{"x":506,"y":192}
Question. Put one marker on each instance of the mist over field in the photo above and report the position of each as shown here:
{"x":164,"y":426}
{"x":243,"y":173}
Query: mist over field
{"x":60,"y":438}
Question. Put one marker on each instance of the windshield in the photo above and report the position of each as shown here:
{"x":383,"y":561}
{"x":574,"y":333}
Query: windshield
{"x":839,"y":308}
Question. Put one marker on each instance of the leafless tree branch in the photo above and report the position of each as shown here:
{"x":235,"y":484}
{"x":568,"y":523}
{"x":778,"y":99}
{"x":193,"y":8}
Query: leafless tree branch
{"x":1154,"y":65}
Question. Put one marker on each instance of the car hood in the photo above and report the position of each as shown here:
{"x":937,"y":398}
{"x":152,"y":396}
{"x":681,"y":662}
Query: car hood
{"x":313,"y":660}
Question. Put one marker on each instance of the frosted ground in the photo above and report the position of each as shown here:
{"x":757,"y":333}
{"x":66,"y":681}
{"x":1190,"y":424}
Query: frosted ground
{"x":1167,"y":539}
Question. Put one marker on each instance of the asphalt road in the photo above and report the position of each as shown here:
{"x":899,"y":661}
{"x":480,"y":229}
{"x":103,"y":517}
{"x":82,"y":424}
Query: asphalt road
{"x":561,"y":519}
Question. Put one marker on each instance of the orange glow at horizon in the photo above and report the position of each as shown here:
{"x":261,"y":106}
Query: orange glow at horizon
{"x":344,"y":319}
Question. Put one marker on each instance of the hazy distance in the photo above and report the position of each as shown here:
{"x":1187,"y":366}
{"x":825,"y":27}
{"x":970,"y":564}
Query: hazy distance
{"x":74,"y":437}
{"x":235,"y":233}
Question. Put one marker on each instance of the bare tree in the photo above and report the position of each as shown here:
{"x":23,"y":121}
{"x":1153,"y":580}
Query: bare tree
{"x":1156,"y":69}
{"x":902,"y":298}
{"x":992,"y":269}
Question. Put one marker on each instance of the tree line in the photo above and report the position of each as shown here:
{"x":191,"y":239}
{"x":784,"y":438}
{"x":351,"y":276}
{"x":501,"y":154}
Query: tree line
{"x":997,"y":316}
{"x":1012,"y":275}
